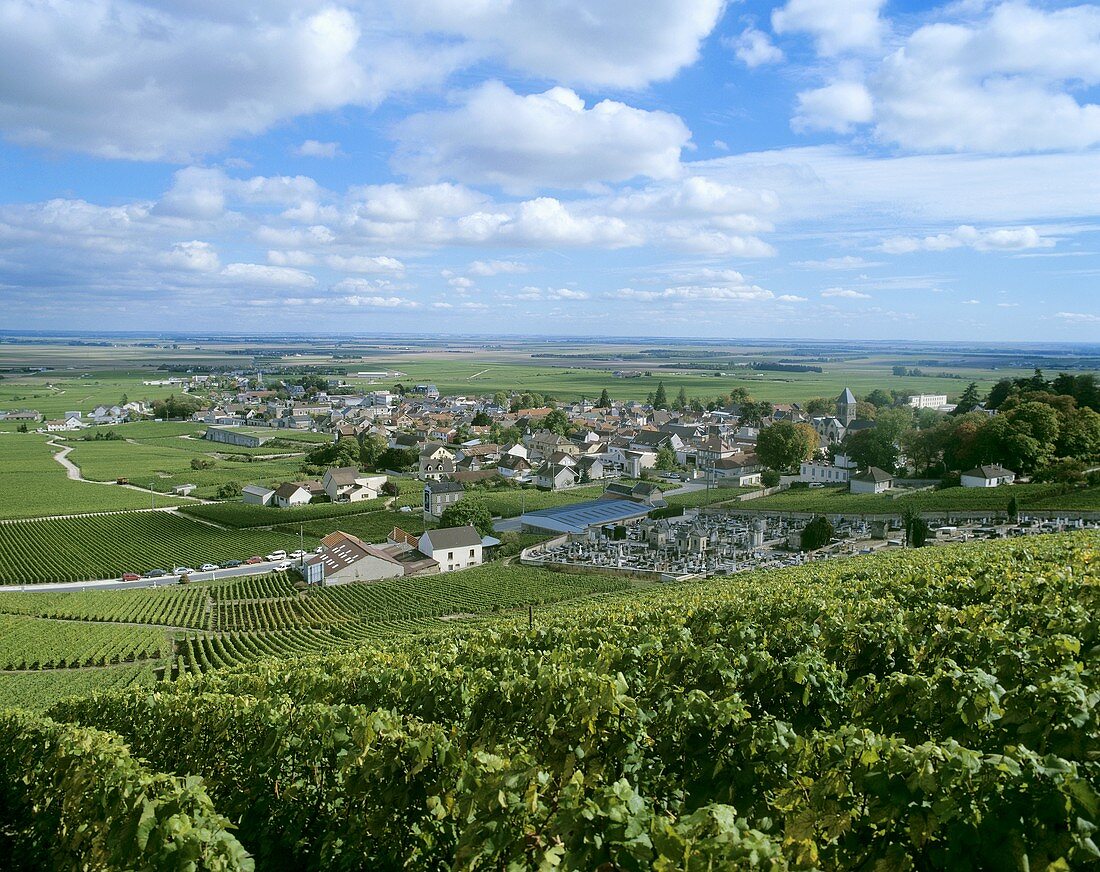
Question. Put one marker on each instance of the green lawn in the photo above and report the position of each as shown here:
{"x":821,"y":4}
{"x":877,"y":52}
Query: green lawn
{"x":33,"y":484}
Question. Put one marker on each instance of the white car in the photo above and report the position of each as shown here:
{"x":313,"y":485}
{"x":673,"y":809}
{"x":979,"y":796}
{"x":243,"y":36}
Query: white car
{"x":295,"y":555}
{"x":276,"y":555}
{"x":208,"y":567}
{"x":282,"y":567}
{"x":182,"y":570}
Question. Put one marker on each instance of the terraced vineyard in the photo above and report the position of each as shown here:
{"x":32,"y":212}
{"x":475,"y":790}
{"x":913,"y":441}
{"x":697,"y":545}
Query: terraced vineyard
{"x":914,"y":710}
{"x":238,"y":514}
{"x":90,"y":547}
{"x":173,"y":606}
{"x":31,"y":643}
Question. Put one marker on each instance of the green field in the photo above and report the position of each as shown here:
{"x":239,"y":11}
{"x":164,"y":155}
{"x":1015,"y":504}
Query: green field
{"x":932,"y":708}
{"x":838,"y":501}
{"x":238,"y":514}
{"x":33,"y":484}
{"x":92,"y":547}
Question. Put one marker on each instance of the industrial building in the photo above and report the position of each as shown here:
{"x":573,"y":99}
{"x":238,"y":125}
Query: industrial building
{"x":580,"y":517}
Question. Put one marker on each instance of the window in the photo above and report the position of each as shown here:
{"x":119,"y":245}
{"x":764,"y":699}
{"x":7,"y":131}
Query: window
{"x":471,"y":553}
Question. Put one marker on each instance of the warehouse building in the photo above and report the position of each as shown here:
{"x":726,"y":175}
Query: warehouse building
{"x":581,"y":517}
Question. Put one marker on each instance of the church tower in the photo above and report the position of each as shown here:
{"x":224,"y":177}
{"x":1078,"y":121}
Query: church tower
{"x":846,"y":407}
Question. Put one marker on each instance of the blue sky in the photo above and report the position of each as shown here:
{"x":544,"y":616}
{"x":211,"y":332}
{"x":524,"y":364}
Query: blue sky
{"x":812,"y":168}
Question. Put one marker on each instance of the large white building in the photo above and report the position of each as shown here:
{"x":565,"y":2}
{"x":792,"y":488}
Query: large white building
{"x":452,"y":547}
{"x":928,"y":401}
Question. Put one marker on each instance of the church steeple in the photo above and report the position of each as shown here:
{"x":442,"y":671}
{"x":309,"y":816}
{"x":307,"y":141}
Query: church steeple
{"x":846,"y":407}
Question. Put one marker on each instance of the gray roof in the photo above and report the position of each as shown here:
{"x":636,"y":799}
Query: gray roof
{"x":288,"y":489}
{"x":257,"y":490}
{"x":343,"y":475}
{"x":991,"y":470}
{"x":873,"y":473}
{"x":444,"y":487}
{"x":452,"y":537}
{"x":847,"y":397}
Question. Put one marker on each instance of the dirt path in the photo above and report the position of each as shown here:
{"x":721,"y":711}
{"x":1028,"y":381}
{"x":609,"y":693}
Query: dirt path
{"x":74,"y":473}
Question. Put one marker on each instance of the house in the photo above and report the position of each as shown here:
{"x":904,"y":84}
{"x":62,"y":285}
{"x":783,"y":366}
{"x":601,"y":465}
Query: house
{"x":642,"y":492}
{"x":435,"y":461}
{"x":555,"y":476}
{"x":991,"y":475}
{"x":590,"y":467}
{"x":837,"y":472}
{"x":871,"y":481}
{"x":291,"y":494}
{"x":452,"y":547}
{"x":58,"y":426}
{"x":257,"y":495}
{"x":544,"y":443}
{"x":346,"y":484}
{"x":740,"y":468}
{"x":511,"y":466}
{"x":655,"y":440}
{"x":438,"y":495}
{"x":23,"y":415}
{"x":927,"y":401}
{"x":346,"y":558}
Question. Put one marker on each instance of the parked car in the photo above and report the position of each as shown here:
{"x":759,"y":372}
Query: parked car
{"x":815,"y":484}
{"x":254,"y":559}
{"x":320,"y":549}
{"x":156,"y":573}
{"x":182,"y":570}
{"x":130,"y":576}
{"x":277,"y":555}
{"x":296,"y":555}
{"x":282,"y":567}
{"x":231,"y":564}
{"x":208,"y":567}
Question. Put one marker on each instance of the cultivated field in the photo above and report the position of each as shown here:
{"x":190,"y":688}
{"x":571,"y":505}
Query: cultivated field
{"x":33,"y":484}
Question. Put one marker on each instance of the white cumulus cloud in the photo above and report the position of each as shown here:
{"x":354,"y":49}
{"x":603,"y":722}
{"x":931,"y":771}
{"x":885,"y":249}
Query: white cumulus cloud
{"x":967,"y":236}
{"x":836,"y":25}
{"x":520,"y":142}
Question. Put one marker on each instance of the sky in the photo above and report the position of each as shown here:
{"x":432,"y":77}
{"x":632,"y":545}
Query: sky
{"x":809,"y":169}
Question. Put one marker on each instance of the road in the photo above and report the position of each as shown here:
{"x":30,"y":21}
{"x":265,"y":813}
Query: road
{"x":74,"y":473}
{"x":116,"y":584}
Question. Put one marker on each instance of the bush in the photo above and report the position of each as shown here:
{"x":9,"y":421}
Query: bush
{"x":770,"y":478}
{"x":817,"y":534}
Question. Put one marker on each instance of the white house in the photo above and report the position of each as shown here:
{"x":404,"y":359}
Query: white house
{"x":257,"y":495}
{"x":871,"y":481}
{"x":291,"y":494}
{"x":435,"y":462}
{"x":555,"y":476}
{"x":837,"y":472}
{"x":452,"y":547}
{"x":346,"y":484}
{"x":991,"y":475}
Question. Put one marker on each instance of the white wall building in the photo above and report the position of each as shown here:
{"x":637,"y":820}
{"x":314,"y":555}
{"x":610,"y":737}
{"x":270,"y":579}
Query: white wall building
{"x":452,"y":547}
{"x":928,"y":401}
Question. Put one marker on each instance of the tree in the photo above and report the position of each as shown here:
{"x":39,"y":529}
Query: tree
{"x":1013,"y":508}
{"x":371,"y":447}
{"x":660,"y":399}
{"x":481,"y":419}
{"x":1080,"y":435}
{"x":500,"y":399}
{"x":681,"y":399}
{"x":969,"y":400}
{"x":915,"y":527}
{"x":999,"y":393}
{"x":666,"y":458}
{"x":468,"y":510}
{"x":898,"y":370}
{"x":391,"y":489}
{"x":866,"y":411}
{"x":871,"y":448}
{"x":879,"y":398}
{"x":399,"y":459}
{"x":785,"y":445}
{"x":770,"y":478}
{"x":22,"y":428}
{"x":819,"y":406}
{"x":817,"y":533}
{"x":230,"y":490}
{"x":604,"y":401}
{"x":556,"y":422}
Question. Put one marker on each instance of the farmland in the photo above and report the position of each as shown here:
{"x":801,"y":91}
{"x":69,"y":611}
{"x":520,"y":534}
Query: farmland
{"x":33,"y":484}
{"x":91,"y":547}
{"x":735,"y":720}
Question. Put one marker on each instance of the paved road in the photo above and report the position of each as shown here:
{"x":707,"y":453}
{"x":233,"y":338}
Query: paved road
{"x":116,"y":584}
{"x":74,"y":473}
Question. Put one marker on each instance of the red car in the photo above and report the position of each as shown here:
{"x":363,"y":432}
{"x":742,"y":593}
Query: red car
{"x":131,"y":576}
{"x":256,"y":559}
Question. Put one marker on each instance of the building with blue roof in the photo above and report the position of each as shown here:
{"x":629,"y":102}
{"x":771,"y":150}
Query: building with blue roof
{"x":580,"y":517}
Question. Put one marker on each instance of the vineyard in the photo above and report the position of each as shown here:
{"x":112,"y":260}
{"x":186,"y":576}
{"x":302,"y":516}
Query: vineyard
{"x":173,"y":606}
{"x":30,"y":643}
{"x":914,"y":710}
{"x":953,"y":499}
{"x":241,"y":515}
{"x":90,"y":547}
